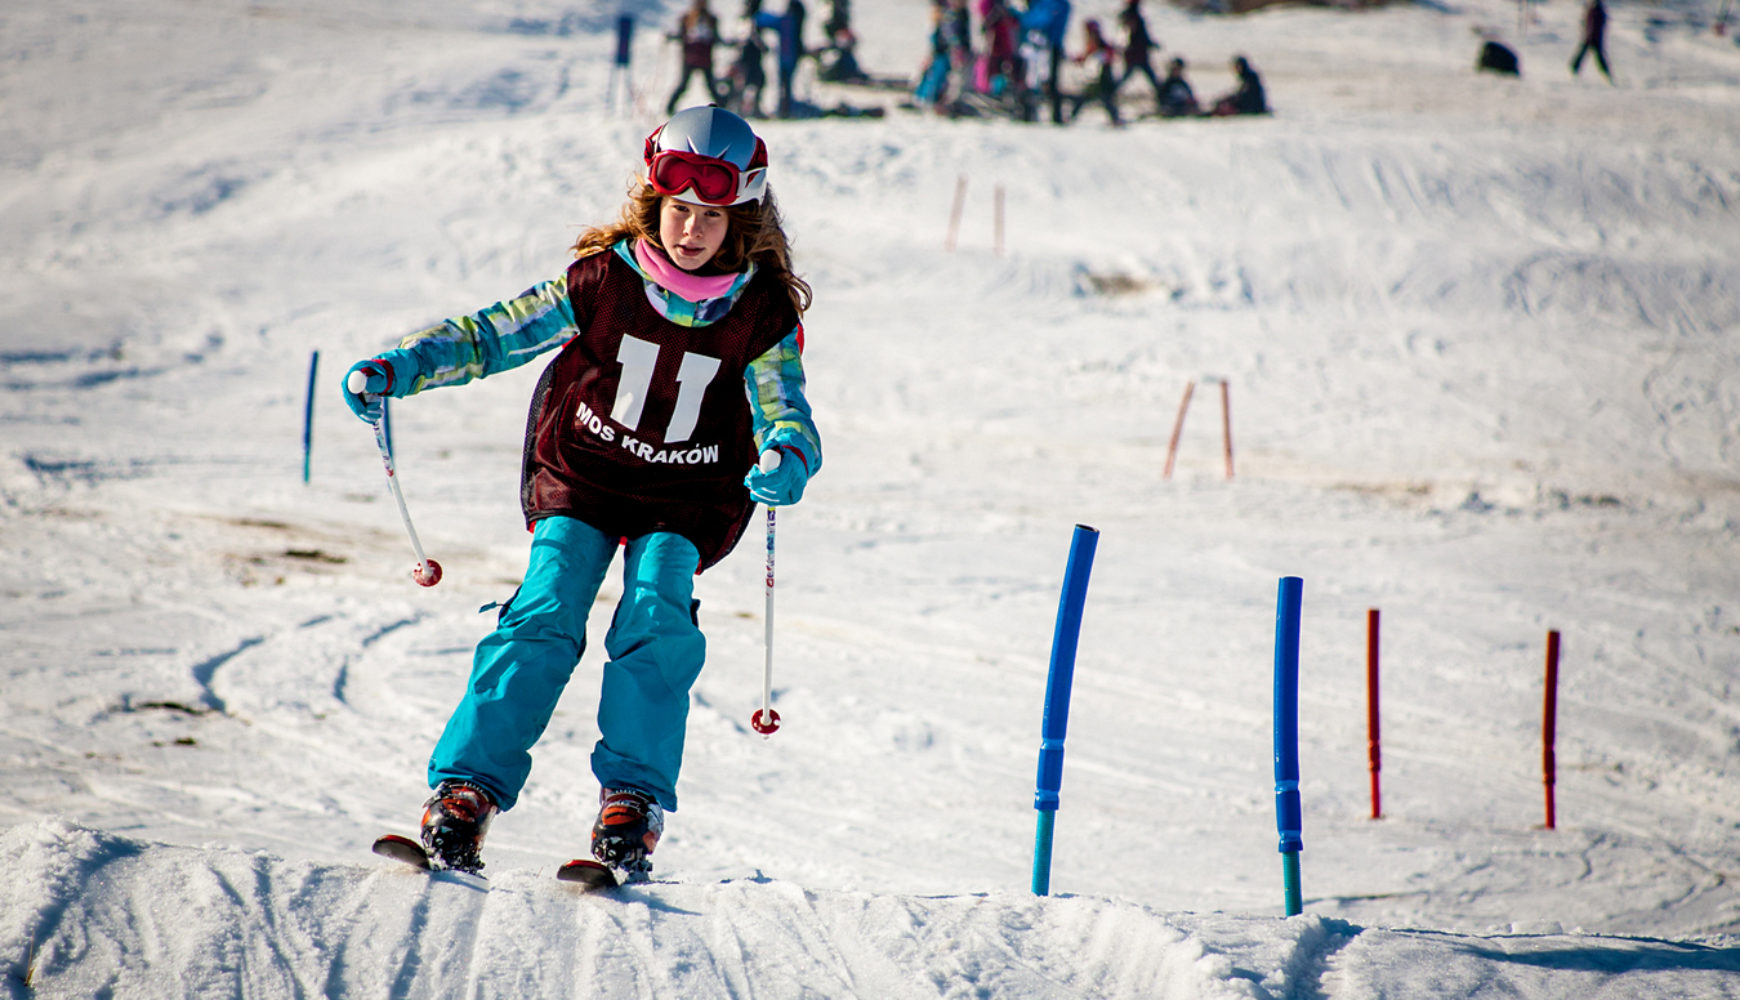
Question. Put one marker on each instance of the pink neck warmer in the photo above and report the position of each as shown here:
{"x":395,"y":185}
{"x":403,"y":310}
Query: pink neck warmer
{"x":691,"y":286}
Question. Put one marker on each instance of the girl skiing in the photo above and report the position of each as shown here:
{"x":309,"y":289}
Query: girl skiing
{"x":678,"y":336}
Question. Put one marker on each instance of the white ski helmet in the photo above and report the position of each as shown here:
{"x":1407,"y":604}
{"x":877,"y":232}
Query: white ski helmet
{"x":708,"y":155}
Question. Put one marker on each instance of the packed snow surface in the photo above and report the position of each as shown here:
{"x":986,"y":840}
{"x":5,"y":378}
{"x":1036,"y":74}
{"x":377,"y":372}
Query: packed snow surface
{"x":1480,"y":337}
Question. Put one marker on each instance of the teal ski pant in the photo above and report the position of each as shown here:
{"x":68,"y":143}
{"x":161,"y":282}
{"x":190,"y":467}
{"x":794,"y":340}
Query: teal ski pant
{"x":518,"y":672}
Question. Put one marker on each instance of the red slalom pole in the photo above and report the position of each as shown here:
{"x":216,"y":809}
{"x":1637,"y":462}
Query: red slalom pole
{"x":955,"y":213}
{"x":1178,"y":428}
{"x":1550,"y":725}
{"x":997,"y":220}
{"x":1226,"y":424}
{"x":1372,"y":742}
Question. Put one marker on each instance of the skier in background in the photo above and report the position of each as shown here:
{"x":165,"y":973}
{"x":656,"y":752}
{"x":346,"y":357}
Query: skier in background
{"x":1104,"y":87}
{"x":1139,"y":47}
{"x":678,"y":339}
{"x":1001,"y":29}
{"x":1046,"y":22}
{"x":749,"y":72}
{"x":1594,"y":39}
{"x":838,"y":58}
{"x":697,"y":30}
{"x":946,"y":74}
{"x":790,"y":27}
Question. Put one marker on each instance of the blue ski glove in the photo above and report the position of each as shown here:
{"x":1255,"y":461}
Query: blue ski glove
{"x":387,"y":375}
{"x":780,"y":478}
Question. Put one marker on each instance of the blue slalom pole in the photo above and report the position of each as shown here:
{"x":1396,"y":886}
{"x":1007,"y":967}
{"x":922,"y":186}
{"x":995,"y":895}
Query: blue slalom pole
{"x":1057,"y":689}
{"x":1289,"y":815}
{"x":308,"y":416}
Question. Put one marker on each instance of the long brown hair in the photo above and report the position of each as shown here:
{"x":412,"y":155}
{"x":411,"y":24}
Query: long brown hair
{"x":754,"y":234}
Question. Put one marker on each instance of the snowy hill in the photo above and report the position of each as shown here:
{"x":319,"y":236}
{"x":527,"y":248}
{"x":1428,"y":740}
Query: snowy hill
{"x":1480,"y":341}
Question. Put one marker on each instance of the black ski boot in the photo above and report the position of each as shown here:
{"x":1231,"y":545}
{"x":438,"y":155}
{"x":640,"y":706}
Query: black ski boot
{"x":628,"y":828}
{"x":454,"y":821}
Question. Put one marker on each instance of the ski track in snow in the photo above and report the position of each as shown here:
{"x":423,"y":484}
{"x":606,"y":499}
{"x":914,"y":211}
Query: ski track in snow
{"x":114,"y":924}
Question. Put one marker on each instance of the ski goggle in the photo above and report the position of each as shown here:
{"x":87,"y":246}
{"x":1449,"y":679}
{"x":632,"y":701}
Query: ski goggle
{"x":713,"y":181}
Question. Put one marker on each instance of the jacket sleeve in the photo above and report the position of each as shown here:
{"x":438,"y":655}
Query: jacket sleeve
{"x":781,"y":414}
{"x":496,"y":339}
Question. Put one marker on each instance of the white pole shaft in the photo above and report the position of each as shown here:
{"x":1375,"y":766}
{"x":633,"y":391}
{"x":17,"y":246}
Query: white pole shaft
{"x":398,"y":494}
{"x":357,"y":383}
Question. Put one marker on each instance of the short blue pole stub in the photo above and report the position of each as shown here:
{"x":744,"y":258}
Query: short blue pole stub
{"x":1058,"y":685}
{"x":1042,"y":849}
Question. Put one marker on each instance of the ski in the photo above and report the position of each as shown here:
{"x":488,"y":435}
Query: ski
{"x":589,"y":875}
{"x":403,"y":849}
{"x":413,"y":853}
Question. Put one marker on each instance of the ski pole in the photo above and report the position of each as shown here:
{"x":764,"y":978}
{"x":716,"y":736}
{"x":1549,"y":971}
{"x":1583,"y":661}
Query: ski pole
{"x":428,"y":571}
{"x":766,"y":721}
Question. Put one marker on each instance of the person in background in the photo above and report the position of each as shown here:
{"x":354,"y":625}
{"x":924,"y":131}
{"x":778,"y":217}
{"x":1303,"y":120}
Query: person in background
{"x":1497,"y":58}
{"x":1000,"y":29}
{"x":698,"y":30}
{"x":790,"y":28}
{"x":839,"y":61}
{"x":677,"y":341}
{"x":1177,"y":99}
{"x":941,"y":83}
{"x":839,"y":18}
{"x":957,"y":33}
{"x":1048,"y":22}
{"x":1249,"y":98}
{"x":749,"y":71}
{"x":933,"y":79}
{"x":1594,"y":39}
{"x":1139,"y":47}
{"x":1104,"y":86}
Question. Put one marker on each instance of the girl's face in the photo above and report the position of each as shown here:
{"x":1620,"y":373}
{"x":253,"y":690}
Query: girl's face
{"x":691,"y":234}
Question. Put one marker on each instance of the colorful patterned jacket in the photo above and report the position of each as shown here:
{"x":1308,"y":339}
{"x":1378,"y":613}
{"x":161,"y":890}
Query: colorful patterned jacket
{"x":634,"y":426}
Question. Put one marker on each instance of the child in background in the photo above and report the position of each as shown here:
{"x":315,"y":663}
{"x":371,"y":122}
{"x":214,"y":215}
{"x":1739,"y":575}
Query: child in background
{"x":1104,"y":87}
{"x":678,"y":336}
{"x":1139,"y":47}
{"x":698,"y":31}
{"x":1177,"y":99}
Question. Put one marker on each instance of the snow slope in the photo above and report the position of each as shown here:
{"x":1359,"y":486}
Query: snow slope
{"x":1480,"y":341}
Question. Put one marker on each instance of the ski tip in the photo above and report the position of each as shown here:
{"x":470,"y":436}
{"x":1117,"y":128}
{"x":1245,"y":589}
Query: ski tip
{"x":587,"y":874}
{"x":403,"y":849}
